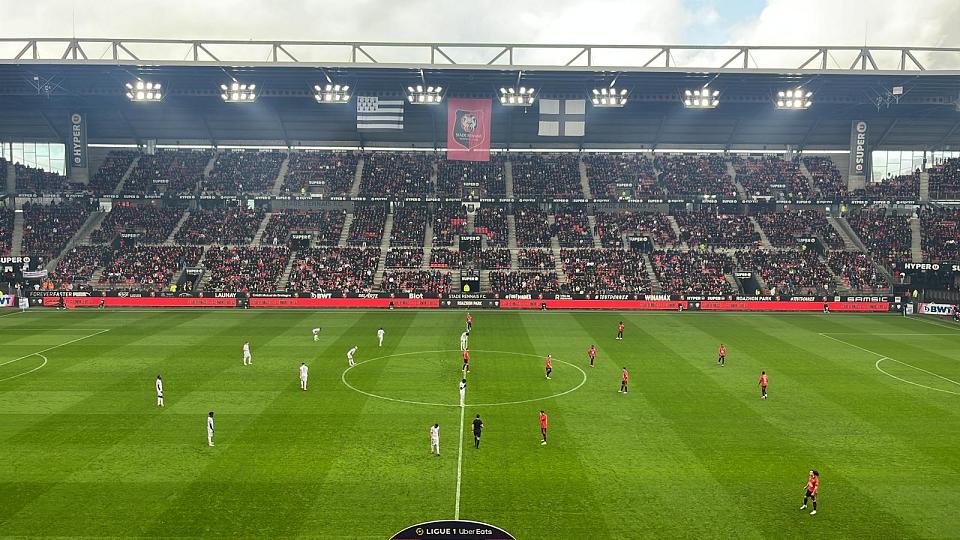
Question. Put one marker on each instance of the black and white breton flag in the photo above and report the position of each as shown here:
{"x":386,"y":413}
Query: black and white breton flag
{"x":562,"y":117}
{"x":374,"y":113}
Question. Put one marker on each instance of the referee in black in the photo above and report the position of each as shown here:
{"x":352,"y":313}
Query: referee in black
{"x":477,"y":428}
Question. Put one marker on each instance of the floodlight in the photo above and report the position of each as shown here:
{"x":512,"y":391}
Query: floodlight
{"x":332,"y":93}
{"x":794,"y":99}
{"x":238,"y":92}
{"x":609,"y":97}
{"x":428,"y":96}
{"x":141,"y":90}
{"x":512,"y":97}
{"x":701,"y":98}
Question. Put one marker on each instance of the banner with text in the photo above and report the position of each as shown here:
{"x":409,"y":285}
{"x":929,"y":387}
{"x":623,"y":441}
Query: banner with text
{"x":468,"y":129}
{"x":859,"y":157}
{"x":78,"y":159}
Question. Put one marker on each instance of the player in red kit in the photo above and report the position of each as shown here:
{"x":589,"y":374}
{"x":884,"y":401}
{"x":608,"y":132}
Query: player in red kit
{"x":813,"y":485}
{"x":722,"y":355}
{"x":592,"y":353}
{"x":620,"y":330}
{"x":543,"y":427}
{"x":466,"y":360}
{"x":763,"y":385}
{"x":624,"y":377}
{"x":548,"y":367}
{"x":469,"y":321}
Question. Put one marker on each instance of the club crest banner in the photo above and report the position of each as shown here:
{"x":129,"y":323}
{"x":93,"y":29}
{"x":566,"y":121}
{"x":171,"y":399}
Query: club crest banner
{"x":468,"y":129}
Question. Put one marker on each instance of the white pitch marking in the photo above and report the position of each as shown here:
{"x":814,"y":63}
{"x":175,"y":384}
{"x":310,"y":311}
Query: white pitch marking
{"x":54,"y":347}
{"x":9,"y":314}
{"x":935,"y":323}
{"x":456,"y":511}
{"x":30,"y":371}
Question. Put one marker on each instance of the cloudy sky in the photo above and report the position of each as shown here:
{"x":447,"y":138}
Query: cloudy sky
{"x":755,"y":22}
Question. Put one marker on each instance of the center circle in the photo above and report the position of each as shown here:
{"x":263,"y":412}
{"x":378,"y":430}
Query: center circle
{"x":445,"y":372}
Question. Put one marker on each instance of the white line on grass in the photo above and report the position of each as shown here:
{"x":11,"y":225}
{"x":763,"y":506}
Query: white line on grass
{"x":935,"y":323}
{"x":885,"y":334}
{"x":883,"y":357}
{"x":9,"y":314}
{"x":456,"y":511}
{"x":54,"y":347}
{"x":30,"y":371}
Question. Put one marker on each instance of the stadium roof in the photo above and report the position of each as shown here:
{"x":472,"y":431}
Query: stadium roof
{"x":42,"y":81}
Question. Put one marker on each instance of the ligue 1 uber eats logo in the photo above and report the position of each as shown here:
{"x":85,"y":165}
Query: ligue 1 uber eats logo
{"x":452,"y":529}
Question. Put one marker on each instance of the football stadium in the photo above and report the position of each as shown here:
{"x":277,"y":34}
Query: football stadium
{"x":387,"y":289}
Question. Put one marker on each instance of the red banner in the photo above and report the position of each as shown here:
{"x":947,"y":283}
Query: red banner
{"x":468,"y":129}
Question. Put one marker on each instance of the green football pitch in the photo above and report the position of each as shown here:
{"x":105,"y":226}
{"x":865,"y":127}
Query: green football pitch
{"x":872,"y":402}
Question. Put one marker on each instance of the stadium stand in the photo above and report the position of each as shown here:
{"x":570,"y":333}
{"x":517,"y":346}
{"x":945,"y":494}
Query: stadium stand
{"x":690,"y":175}
{"x":940,"y":229}
{"x":325,"y":226}
{"x":111,"y":171}
{"x":367,"y":226}
{"x":887,"y":237}
{"x":245,"y":268}
{"x":224,"y":226}
{"x":168,"y":171}
{"x":533,"y":230}
{"x":6,"y":230}
{"x":348,"y":269}
{"x":550,"y":175}
{"x":572,"y":228}
{"x":788,"y":272}
{"x":430,"y":281}
{"x":409,"y":226}
{"x":491,"y":221}
{"x":826,"y":177}
{"x":535,"y":259}
{"x":857,"y":271}
{"x":783,"y":228}
{"x":905,"y":186}
{"x":495,"y":259}
{"x":77,"y":266}
{"x":524,"y":282}
{"x":451,"y":176}
{"x":38,"y":181}
{"x":771,"y":175}
{"x":449,"y":221}
{"x":710,"y":229}
{"x":48,"y":227}
{"x":404,"y":258}
{"x":448,"y":258}
{"x":396,"y":173}
{"x":333,"y":171}
{"x":945,"y":179}
{"x":693,"y":272}
{"x":148,"y":267}
{"x":591,"y":271}
{"x":153,"y":223}
{"x":613,"y":226}
{"x":606,"y":170}
{"x":244,"y":171}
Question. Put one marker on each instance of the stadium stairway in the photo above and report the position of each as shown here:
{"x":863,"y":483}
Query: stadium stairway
{"x":850,"y":238}
{"x":676,"y":230}
{"x":924,"y":186}
{"x":210,"y":165}
{"x":16,"y":241}
{"x":484,"y":280}
{"x":508,"y":177}
{"x":764,"y":240}
{"x":281,"y":175}
{"x":655,"y":285}
{"x":584,"y":179}
{"x":916,"y":244}
{"x":807,"y":176}
{"x":427,"y":245}
{"x":258,"y":236}
{"x":433,"y":177}
{"x":123,"y":179}
{"x":736,"y":286}
{"x":357,"y":176}
{"x":384,"y":246}
{"x":284,"y":280}
{"x":173,"y":234}
{"x":93,"y":221}
{"x":842,"y":162}
{"x":732,"y":171}
{"x":345,"y":233}
{"x":472,"y":224}
{"x":837,"y":280}
{"x":592,"y":220}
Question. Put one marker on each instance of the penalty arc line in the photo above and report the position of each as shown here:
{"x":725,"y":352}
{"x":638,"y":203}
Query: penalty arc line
{"x":881,"y":370}
{"x":30,"y":371}
{"x":54,"y":347}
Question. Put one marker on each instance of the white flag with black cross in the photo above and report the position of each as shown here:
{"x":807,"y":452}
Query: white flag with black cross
{"x":562,"y":117}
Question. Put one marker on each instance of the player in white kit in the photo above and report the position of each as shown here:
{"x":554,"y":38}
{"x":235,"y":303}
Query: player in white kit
{"x":303,"y":376}
{"x":435,"y":439}
{"x":247,"y":359}
{"x":463,"y":390}
{"x":350,"y":354}
{"x":316,"y":334}
{"x":380,"y":337}
{"x":210,"y":428}
{"x":463,"y":341}
{"x":159,"y":392}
